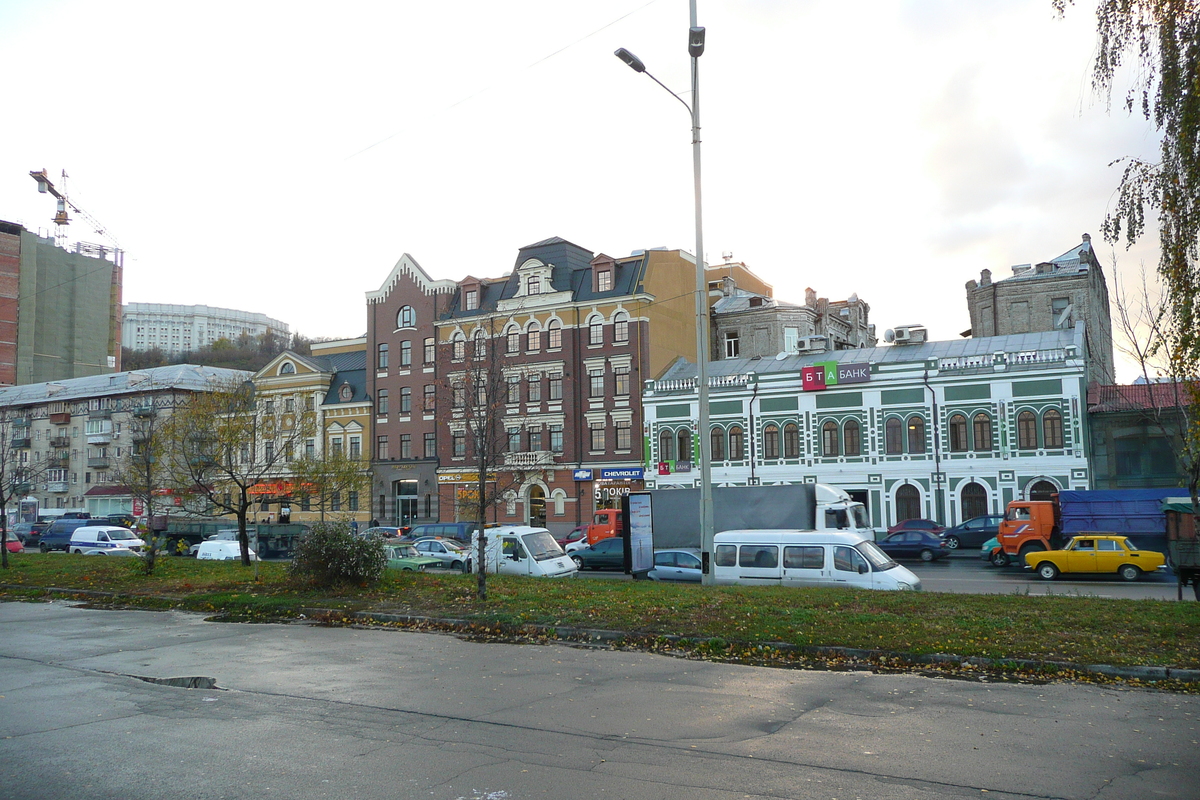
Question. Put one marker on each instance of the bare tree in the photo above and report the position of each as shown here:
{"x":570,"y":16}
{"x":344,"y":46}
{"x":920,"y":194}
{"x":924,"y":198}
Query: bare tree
{"x":1172,"y":390}
{"x":18,"y":473}
{"x":478,"y":386}
{"x":144,"y":470}
{"x":328,"y":480}
{"x":223,"y":445}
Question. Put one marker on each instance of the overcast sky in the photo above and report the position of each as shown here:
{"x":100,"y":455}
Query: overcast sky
{"x":280,"y":157}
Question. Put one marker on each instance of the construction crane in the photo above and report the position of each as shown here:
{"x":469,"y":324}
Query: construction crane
{"x":61,"y":219}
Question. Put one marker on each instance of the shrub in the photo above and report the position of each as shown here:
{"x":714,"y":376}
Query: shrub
{"x":329,"y":555}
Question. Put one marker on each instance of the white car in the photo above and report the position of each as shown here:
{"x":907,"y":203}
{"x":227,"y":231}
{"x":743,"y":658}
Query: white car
{"x":222,"y":550}
{"x":223,"y":535}
{"x":452,"y":554}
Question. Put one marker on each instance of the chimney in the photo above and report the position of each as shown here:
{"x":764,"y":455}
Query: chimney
{"x":810,"y":297}
{"x":985,"y":277}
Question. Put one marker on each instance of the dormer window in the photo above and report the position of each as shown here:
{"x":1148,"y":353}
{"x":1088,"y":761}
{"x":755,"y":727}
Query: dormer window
{"x":533,"y":284}
{"x":471,"y":299}
{"x":346,"y":392}
{"x":604,"y":280}
{"x":287,"y":369}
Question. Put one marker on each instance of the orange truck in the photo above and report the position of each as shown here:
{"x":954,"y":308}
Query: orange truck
{"x":1028,"y":525}
{"x":606,"y":522}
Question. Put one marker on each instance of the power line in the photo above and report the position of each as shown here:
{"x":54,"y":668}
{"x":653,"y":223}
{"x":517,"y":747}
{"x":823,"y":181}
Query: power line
{"x":527,"y":67}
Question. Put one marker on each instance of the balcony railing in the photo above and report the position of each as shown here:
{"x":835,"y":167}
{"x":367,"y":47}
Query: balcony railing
{"x":98,"y":462}
{"x":20,"y":422}
{"x":99,"y":438}
{"x":56,"y":486}
{"x":100,"y":413}
{"x":19,"y":442}
{"x":60,"y":441}
{"x":531,"y":458}
{"x":144,"y":411}
{"x":60,"y":418}
{"x":689,"y":384}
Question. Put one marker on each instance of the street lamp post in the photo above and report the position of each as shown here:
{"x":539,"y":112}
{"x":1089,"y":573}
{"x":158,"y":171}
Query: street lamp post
{"x":695,"y":49}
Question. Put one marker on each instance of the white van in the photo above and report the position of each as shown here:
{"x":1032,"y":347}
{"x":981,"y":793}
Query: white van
{"x":523,"y":550}
{"x":105,"y":540}
{"x":222,"y":550}
{"x":806,"y":558}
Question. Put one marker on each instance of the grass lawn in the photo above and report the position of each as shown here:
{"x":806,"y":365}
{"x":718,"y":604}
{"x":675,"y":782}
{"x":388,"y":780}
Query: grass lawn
{"x":1066,"y":629}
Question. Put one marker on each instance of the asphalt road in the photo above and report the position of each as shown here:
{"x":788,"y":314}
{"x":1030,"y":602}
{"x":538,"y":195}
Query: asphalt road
{"x":966,"y":573}
{"x":303,"y":712}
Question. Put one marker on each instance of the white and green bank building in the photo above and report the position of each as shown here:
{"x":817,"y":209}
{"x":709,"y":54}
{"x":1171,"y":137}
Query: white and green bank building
{"x":941,"y":430}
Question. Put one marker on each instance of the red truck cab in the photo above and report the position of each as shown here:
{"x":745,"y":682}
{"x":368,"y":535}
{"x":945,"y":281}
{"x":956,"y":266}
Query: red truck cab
{"x":606,"y":522}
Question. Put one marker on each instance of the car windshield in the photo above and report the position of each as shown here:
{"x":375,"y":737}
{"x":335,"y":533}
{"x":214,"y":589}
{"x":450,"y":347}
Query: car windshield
{"x":860,"y":517}
{"x":541,"y":545}
{"x":880,"y":560}
{"x":120,"y":534}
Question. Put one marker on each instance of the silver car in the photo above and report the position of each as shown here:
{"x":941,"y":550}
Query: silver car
{"x":676,"y":565}
{"x":452,"y":554}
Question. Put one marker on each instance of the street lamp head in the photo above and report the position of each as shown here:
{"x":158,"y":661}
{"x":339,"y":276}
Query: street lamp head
{"x":633,"y":61}
{"x":695,"y":42}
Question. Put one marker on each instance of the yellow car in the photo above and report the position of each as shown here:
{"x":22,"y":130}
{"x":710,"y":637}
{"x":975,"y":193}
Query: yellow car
{"x":1096,"y":552}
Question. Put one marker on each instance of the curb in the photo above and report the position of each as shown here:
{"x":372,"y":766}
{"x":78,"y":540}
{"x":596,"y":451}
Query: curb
{"x":594,"y":635}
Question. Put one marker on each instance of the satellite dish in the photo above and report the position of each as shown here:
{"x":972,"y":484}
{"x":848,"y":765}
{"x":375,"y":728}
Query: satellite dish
{"x":889,"y":336}
{"x":780,"y":356}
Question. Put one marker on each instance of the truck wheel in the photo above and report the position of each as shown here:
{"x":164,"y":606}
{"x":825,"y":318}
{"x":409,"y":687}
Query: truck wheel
{"x":1129,"y":572}
{"x":1000,"y":559}
{"x":952,"y":543}
{"x":1047,"y":571}
{"x":1031,"y":547}
{"x":927,"y":555}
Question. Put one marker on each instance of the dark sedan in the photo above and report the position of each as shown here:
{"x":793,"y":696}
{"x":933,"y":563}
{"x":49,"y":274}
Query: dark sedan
{"x":974,"y":532}
{"x":914,"y":544}
{"x":917,"y":525}
{"x":605,"y":554}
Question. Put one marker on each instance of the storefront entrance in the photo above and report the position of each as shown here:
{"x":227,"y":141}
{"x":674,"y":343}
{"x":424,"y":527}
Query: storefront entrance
{"x":537,"y":507}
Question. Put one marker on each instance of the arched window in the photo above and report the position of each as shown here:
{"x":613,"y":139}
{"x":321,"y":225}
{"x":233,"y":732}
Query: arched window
{"x":621,"y":327}
{"x":791,"y":440}
{"x":737,"y":443}
{"x":916,"y":434}
{"x":534,"y":336}
{"x":1052,"y":429}
{"x":983,"y":433}
{"x":1042,"y":490}
{"x":829,"y":440}
{"x":406,"y":317}
{"x":596,"y":330}
{"x":958,"y":433}
{"x":554,"y":334}
{"x":480,"y":344}
{"x":908,"y":503}
{"x":685,"y":444}
{"x":1027,"y":431}
{"x":974,"y":501}
{"x":512,"y":339}
{"x":717,"y":441}
{"x":288,"y":368}
{"x":771,"y":441}
{"x":460,"y":347}
{"x":852,"y":434}
{"x":665,"y":441}
{"x":893,"y":431}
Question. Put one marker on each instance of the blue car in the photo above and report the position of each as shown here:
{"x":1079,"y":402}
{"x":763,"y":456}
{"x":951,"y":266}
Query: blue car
{"x":914,"y":544}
